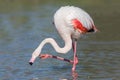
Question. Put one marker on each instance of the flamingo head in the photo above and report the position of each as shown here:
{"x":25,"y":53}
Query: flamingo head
{"x":33,"y":58}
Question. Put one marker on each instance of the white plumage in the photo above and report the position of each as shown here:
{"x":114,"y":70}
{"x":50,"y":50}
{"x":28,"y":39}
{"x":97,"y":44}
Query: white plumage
{"x":70,"y":22}
{"x":67,"y":13}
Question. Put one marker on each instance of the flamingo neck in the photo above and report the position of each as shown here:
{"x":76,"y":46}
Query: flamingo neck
{"x":65,"y":49}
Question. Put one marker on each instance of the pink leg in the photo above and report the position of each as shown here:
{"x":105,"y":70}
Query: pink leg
{"x":75,"y":59}
{"x":45,"y":56}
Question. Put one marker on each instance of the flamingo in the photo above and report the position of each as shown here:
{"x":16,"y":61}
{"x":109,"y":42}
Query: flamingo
{"x":71,"y":23}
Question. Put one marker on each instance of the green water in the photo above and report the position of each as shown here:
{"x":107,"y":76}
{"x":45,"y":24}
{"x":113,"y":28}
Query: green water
{"x":25,"y":23}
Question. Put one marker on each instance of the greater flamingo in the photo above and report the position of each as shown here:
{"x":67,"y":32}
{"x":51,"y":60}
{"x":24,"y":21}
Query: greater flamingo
{"x":71,"y":22}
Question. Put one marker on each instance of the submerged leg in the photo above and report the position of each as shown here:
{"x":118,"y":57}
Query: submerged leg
{"x":75,"y":58}
{"x":45,"y":56}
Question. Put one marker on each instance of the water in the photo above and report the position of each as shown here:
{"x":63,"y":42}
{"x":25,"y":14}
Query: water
{"x":24,"y":24}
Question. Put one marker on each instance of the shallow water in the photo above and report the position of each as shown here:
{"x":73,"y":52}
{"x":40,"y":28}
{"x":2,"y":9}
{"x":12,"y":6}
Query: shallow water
{"x":24,"y":24}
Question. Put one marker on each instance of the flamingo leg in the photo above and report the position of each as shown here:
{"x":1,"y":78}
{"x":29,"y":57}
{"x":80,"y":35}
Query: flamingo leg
{"x":75,"y":58}
{"x":45,"y":56}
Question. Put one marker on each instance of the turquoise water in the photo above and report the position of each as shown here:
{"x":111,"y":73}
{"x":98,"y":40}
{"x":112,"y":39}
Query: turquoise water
{"x":24,"y":24}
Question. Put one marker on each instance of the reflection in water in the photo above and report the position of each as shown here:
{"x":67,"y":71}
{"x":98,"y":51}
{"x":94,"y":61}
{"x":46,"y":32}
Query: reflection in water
{"x":23,"y":24}
{"x":75,"y":75}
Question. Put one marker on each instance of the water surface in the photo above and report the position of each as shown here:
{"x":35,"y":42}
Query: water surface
{"x":24,"y":24}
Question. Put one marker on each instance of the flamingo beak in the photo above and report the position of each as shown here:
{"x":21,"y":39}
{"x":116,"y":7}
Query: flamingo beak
{"x":30,"y":63}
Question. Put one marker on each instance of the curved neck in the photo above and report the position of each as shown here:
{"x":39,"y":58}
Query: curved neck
{"x":65,"y":49}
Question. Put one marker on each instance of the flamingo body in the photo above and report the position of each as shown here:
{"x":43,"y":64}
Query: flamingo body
{"x":71,"y":22}
{"x":66,"y":14}
{"x":67,"y":17}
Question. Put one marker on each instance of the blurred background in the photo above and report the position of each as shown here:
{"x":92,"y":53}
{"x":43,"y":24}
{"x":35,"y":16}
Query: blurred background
{"x":25,"y":23}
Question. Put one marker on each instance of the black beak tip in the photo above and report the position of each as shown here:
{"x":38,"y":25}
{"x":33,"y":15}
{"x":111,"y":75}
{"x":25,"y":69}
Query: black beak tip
{"x":31,"y":63}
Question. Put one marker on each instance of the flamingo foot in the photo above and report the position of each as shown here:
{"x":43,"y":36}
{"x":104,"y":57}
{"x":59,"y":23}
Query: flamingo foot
{"x":45,"y":56}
